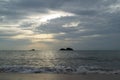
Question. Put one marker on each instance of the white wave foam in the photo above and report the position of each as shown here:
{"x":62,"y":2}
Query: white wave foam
{"x":60,"y":69}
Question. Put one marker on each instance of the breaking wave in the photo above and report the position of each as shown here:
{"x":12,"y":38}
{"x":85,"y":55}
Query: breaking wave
{"x":59,"y":70}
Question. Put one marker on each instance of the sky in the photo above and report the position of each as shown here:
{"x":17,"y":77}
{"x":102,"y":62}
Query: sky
{"x":52,"y":24}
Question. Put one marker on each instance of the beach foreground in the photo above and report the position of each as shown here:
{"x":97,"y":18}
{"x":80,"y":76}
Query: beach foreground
{"x":17,"y":76}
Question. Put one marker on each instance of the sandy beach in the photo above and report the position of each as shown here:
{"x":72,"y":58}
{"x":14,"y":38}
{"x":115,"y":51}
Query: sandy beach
{"x":17,"y":76}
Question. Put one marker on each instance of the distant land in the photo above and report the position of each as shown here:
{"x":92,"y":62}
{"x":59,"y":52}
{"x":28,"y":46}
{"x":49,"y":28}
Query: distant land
{"x":66,"y":49}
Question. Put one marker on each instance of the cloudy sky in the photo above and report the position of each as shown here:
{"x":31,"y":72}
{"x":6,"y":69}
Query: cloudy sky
{"x":52,"y":24}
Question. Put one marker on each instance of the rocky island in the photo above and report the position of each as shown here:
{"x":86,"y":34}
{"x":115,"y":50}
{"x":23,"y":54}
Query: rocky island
{"x":32,"y":50}
{"x":66,"y":49}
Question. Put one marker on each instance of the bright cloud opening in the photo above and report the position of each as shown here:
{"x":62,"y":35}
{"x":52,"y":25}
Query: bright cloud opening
{"x":44,"y":17}
{"x":35,"y":37}
{"x":36,"y":20}
{"x":114,"y":8}
{"x":72,"y":24}
{"x":14,"y":30}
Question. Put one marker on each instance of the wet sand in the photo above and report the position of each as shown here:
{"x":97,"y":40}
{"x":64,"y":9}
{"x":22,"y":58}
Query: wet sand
{"x":16,"y":76}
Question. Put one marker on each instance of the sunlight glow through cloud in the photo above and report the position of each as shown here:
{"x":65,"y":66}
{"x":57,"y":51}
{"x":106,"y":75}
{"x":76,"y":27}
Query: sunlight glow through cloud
{"x":14,"y":29}
{"x":41,"y":19}
{"x":72,"y":24}
{"x":55,"y":14}
{"x":36,"y":21}
{"x":114,"y":8}
{"x":59,"y":23}
{"x":35,"y":37}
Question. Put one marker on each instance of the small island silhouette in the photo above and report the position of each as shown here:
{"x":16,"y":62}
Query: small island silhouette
{"x":66,"y":49}
{"x":32,"y":50}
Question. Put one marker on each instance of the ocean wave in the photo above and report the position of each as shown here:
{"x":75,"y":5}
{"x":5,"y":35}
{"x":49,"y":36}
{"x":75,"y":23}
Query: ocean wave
{"x":59,"y":70}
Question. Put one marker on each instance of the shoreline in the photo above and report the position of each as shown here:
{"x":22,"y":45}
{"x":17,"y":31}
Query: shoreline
{"x":49,"y":76}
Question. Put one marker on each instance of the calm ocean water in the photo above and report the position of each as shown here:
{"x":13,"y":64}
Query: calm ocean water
{"x":84,"y":61}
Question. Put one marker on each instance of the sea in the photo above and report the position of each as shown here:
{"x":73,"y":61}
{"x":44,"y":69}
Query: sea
{"x":60,"y":62}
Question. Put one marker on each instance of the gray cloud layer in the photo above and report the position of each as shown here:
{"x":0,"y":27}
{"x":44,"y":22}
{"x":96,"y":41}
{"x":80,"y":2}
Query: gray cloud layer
{"x":94,"y":26}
